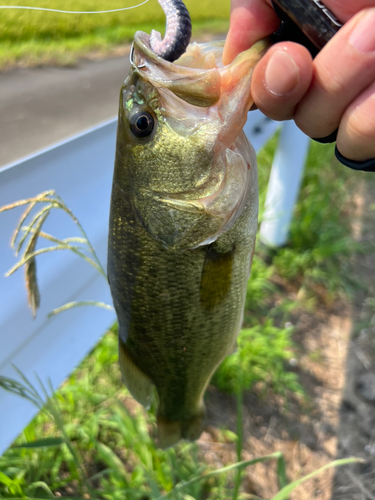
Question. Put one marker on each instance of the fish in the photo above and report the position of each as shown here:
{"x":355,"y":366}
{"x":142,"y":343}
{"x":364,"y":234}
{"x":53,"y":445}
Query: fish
{"x":183,"y":221}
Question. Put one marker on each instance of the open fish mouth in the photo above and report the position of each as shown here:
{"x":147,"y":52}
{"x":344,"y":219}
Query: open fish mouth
{"x":201,"y":100}
{"x":199,"y":76}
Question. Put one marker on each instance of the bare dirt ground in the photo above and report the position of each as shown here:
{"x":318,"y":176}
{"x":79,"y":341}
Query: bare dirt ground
{"x":356,"y":431}
{"x":336,"y":366}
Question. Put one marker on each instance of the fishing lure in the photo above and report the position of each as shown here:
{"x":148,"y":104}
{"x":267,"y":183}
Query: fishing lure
{"x":177,"y":33}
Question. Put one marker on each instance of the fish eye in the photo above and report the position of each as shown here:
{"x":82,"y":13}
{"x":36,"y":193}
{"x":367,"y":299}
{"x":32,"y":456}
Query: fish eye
{"x":142,"y":124}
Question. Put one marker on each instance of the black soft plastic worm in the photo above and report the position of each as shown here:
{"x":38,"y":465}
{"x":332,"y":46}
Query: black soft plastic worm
{"x":177,"y":33}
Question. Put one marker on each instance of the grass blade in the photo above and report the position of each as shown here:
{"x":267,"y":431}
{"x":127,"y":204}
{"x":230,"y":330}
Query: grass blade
{"x":238,"y":479}
{"x":81,"y":303}
{"x":110,"y":458}
{"x":34,"y":498}
{"x":34,"y":227}
{"x":33,"y":293}
{"x":18,"y":389}
{"x":62,"y":205}
{"x":73,"y":239}
{"x":239,"y":465}
{"x":285,"y":492}
{"x":41,"y":443}
{"x":20,"y":222}
{"x":33,"y":230}
{"x":32,"y":255}
{"x":30,"y":266}
{"x":12,"y":485}
{"x":42,"y":197}
{"x":5,"y":479}
{"x":44,"y":486}
{"x":281,"y":472}
{"x":65,"y":243}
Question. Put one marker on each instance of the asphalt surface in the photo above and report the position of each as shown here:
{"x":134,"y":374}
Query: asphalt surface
{"x":41,"y":106}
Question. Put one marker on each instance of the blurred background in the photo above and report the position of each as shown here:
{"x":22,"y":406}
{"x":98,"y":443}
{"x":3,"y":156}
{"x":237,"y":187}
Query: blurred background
{"x":302,"y":381}
{"x":37,"y":37}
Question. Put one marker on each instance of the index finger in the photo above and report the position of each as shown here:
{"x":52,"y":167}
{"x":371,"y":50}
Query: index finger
{"x":250,"y":20}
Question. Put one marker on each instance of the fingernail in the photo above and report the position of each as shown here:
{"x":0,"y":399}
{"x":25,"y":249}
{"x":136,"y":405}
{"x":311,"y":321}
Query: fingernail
{"x":363,"y":36}
{"x":282,"y":73}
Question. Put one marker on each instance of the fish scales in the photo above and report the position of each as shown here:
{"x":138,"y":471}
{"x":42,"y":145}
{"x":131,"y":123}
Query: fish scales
{"x":182,"y":228}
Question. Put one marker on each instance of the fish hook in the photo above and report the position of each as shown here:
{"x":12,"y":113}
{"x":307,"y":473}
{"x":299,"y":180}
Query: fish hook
{"x":140,"y":66}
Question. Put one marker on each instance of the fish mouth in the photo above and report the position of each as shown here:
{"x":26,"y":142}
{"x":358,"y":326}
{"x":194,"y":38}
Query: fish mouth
{"x":200,"y":88}
{"x":199,"y":76}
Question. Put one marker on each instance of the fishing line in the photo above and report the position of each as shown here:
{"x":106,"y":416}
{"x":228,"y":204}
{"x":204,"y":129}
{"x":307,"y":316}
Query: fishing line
{"x":25,"y":7}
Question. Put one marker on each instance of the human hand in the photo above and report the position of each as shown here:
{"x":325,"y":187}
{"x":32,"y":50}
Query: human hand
{"x":335,"y":90}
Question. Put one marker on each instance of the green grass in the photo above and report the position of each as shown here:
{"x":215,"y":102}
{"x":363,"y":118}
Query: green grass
{"x":262,"y":353}
{"x":33,"y":37}
{"x":320,"y":239}
{"x":102,"y":445}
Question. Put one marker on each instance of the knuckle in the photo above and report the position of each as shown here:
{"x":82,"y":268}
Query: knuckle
{"x":315,"y":125}
{"x":360,"y":128}
{"x":356,"y":138}
{"x":275,"y":110}
{"x":333,"y":84}
{"x":276,"y":114}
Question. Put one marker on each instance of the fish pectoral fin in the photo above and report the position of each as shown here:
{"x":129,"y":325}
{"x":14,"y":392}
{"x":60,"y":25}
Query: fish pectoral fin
{"x":216,"y":278}
{"x":137,"y":382}
{"x":170,"y":431}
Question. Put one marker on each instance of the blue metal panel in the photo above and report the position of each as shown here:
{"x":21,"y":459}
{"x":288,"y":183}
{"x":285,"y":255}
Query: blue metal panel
{"x":80,"y":171}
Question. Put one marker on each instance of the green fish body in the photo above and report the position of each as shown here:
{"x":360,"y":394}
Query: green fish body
{"x":182,"y":225}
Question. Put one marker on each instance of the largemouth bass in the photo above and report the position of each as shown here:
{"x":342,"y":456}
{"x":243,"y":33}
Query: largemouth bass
{"x":183,"y":222}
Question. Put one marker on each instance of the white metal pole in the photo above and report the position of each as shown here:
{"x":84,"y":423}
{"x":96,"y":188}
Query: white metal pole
{"x":284,"y":185}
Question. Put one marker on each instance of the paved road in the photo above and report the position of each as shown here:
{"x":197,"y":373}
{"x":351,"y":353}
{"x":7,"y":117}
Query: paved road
{"x":41,"y":106}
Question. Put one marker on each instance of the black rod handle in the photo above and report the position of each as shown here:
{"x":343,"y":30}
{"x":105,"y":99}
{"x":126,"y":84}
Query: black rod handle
{"x":311,"y":24}
{"x":311,"y":16}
